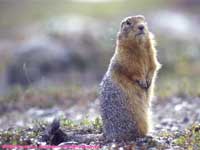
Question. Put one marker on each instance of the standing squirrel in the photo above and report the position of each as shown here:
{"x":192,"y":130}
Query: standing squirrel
{"x":127,"y":87}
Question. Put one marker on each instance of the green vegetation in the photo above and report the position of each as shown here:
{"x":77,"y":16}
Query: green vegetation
{"x":62,"y":96}
{"x":95,"y":124}
{"x":39,"y":10}
{"x":191,"y":139}
{"x":67,"y":123}
{"x":20,"y":136}
{"x":176,"y":84}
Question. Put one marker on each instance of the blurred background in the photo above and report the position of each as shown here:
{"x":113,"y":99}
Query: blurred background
{"x":53,"y":54}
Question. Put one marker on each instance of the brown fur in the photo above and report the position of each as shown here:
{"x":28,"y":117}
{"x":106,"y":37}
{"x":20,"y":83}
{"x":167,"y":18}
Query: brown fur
{"x":135,"y":61}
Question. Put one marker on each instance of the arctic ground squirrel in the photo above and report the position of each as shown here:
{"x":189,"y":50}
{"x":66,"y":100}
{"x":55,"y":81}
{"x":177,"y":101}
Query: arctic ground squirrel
{"x":127,"y":87}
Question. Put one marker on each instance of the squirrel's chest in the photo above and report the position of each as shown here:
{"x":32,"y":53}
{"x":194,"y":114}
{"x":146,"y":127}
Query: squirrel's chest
{"x":141,"y":63}
{"x":148,"y":63}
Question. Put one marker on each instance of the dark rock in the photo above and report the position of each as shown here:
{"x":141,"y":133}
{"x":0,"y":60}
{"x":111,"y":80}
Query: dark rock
{"x":53,"y":135}
{"x":35,"y":60}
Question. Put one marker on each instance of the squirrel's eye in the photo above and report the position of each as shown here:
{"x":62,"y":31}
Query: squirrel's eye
{"x":128,"y":22}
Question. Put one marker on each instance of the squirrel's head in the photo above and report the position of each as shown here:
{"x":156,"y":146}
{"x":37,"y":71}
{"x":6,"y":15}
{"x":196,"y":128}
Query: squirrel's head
{"x":133,"y":29}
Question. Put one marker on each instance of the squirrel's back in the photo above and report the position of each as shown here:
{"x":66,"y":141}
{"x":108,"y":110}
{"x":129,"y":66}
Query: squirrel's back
{"x":118,"y":121}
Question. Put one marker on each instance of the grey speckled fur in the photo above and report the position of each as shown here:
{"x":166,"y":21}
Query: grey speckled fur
{"x":118,"y":121}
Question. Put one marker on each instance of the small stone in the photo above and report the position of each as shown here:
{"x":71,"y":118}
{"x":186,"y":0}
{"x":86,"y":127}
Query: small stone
{"x":114,"y":146}
{"x":174,"y":128}
{"x":185,"y":120}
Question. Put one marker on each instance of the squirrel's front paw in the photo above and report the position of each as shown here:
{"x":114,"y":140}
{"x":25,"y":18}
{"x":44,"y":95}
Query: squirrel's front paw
{"x":148,"y":83}
{"x":142,"y":83}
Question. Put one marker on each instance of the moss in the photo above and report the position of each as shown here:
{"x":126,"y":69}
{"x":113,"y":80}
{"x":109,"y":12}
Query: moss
{"x":68,"y":123}
{"x":86,"y":121}
{"x":97,"y":123}
{"x":180,"y":141}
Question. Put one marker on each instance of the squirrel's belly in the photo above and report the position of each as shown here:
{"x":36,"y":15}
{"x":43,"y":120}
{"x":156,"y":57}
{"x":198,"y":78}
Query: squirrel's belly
{"x":118,"y":118}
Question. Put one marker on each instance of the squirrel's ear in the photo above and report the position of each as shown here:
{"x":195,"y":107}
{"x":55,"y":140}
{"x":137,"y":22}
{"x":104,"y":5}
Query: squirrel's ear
{"x":122,"y":24}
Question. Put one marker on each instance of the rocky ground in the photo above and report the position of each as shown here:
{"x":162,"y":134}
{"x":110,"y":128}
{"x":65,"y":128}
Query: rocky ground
{"x":176,"y":126}
{"x":59,"y":52}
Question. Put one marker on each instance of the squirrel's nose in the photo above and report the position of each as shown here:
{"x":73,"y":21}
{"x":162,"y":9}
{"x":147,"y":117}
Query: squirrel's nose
{"x":141,"y":27}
